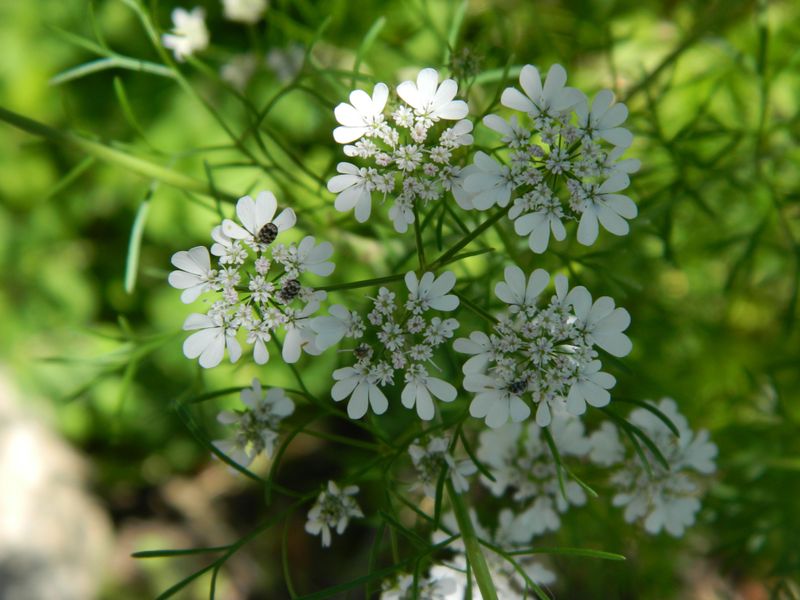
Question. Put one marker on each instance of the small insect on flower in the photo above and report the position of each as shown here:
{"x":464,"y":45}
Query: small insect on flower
{"x":267,"y":234}
{"x":289,"y":291}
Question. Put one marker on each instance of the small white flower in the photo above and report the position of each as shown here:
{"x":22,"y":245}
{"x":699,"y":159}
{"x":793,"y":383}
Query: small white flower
{"x":210,"y":341}
{"x":604,"y":120}
{"x":354,"y":188}
{"x":591,"y":387}
{"x":189,"y":33}
{"x":258,"y":227}
{"x":359,"y":385}
{"x":602,"y":323}
{"x":299,"y":335}
{"x":431,"y":292}
{"x":429,"y":461}
{"x":257,"y":426}
{"x":195,"y":275}
{"x":362,"y":116}
{"x":431,"y":99}
{"x":607,"y":450}
{"x":239,"y":70}
{"x":538,"y":225}
{"x":244,"y":11}
{"x":419,"y":389}
{"x":286,"y":62}
{"x":550,"y":100}
{"x":341,"y":322}
{"x":516,"y":293}
{"x":495,"y":401}
{"x":607,"y":207}
{"x":490,"y":183}
{"x":333,"y":510}
{"x":480,"y":346}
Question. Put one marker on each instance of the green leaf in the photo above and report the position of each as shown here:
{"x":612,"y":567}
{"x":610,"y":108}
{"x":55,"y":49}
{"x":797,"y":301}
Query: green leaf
{"x":135,"y":241}
{"x":178,"y":552}
{"x":585,"y":552}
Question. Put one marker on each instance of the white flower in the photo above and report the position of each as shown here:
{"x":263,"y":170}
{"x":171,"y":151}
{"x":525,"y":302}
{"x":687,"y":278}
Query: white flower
{"x":239,"y":70}
{"x":354,"y":188}
{"x":244,"y":11}
{"x":591,"y":387}
{"x":286,"y":62}
{"x":490,"y":183}
{"x":601,"y":322}
{"x":608,"y":207}
{"x":419,"y":389}
{"x":359,"y":384}
{"x":195,"y":275}
{"x":258,"y":228}
{"x":362,"y":116}
{"x":607,"y":450}
{"x":480,"y":346}
{"x":189,"y":33}
{"x":333,"y":510}
{"x":516,"y":293}
{"x":537,"y":226}
{"x":431,"y":459}
{"x":299,"y":334}
{"x":604,"y":120}
{"x":495,"y":401}
{"x":667,"y":499}
{"x":431,"y":99}
{"x":550,"y":100}
{"x":431,"y":292}
{"x":257,"y":426}
{"x":330,"y":330}
{"x":309,"y":256}
{"x":210,"y":341}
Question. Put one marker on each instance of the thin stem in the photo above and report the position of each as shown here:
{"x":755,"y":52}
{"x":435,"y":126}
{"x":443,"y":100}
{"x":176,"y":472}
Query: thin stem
{"x":471,"y":236}
{"x":418,"y":240}
{"x":472,"y":545}
{"x":359,"y":284}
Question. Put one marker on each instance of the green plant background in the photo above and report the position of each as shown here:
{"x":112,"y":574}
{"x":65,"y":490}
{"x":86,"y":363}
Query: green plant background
{"x":709,"y":272}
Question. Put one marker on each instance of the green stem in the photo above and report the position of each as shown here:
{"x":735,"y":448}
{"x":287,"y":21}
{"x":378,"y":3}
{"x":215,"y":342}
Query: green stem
{"x":418,"y":240}
{"x":474,"y":553}
{"x":359,"y":284}
{"x":471,"y":236}
{"x":111,"y":155}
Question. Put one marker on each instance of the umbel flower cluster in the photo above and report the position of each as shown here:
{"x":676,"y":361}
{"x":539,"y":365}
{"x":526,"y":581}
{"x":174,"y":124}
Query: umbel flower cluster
{"x":406,"y":335}
{"x":542,"y":356}
{"x":563,"y":162}
{"x":255,"y":285}
{"x":405,"y":151}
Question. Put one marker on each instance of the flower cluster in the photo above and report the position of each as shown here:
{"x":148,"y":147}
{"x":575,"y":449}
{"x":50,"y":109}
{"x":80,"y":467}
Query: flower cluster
{"x":432,"y":459}
{"x":189,"y":33}
{"x":563,"y":162}
{"x":257,"y":425}
{"x":409,"y":155}
{"x":663,"y":498}
{"x":407,"y":337}
{"x":248,"y":12}
{"x":256,"y":283}
{"x":521,"y":460}
{"x":333,"y":510}
{"x":542,"y":356}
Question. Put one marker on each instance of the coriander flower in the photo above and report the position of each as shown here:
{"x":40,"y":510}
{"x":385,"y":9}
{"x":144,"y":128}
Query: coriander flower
{"x":360,"y":385}
{"x":354,"y":188}
{"x":603,"y":120}
{"x":333,"y":510}
{"x":401,"y":339}
{"x":363,"y":115}
{"x":662,"y":498}
{"x":256,"y":426}
{"x":214,"y":334}
{"x":561,"y":162}
{"x":542,"y":354}
{"x":195,"y":275}
{"x":549,"y":100}
{"x":432,"y":100}
{"x":430,"y":460}
{"x":405,"y":155}
{"x":602,"y":203}
{"x":258,"y":228}
{"x":189,"y":33}
{"x":256,"y":285}
{"x":244,"y":11}
{"x":430,"y":292}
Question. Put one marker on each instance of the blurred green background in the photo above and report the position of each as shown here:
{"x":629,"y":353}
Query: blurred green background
{"x":709,"y":272}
